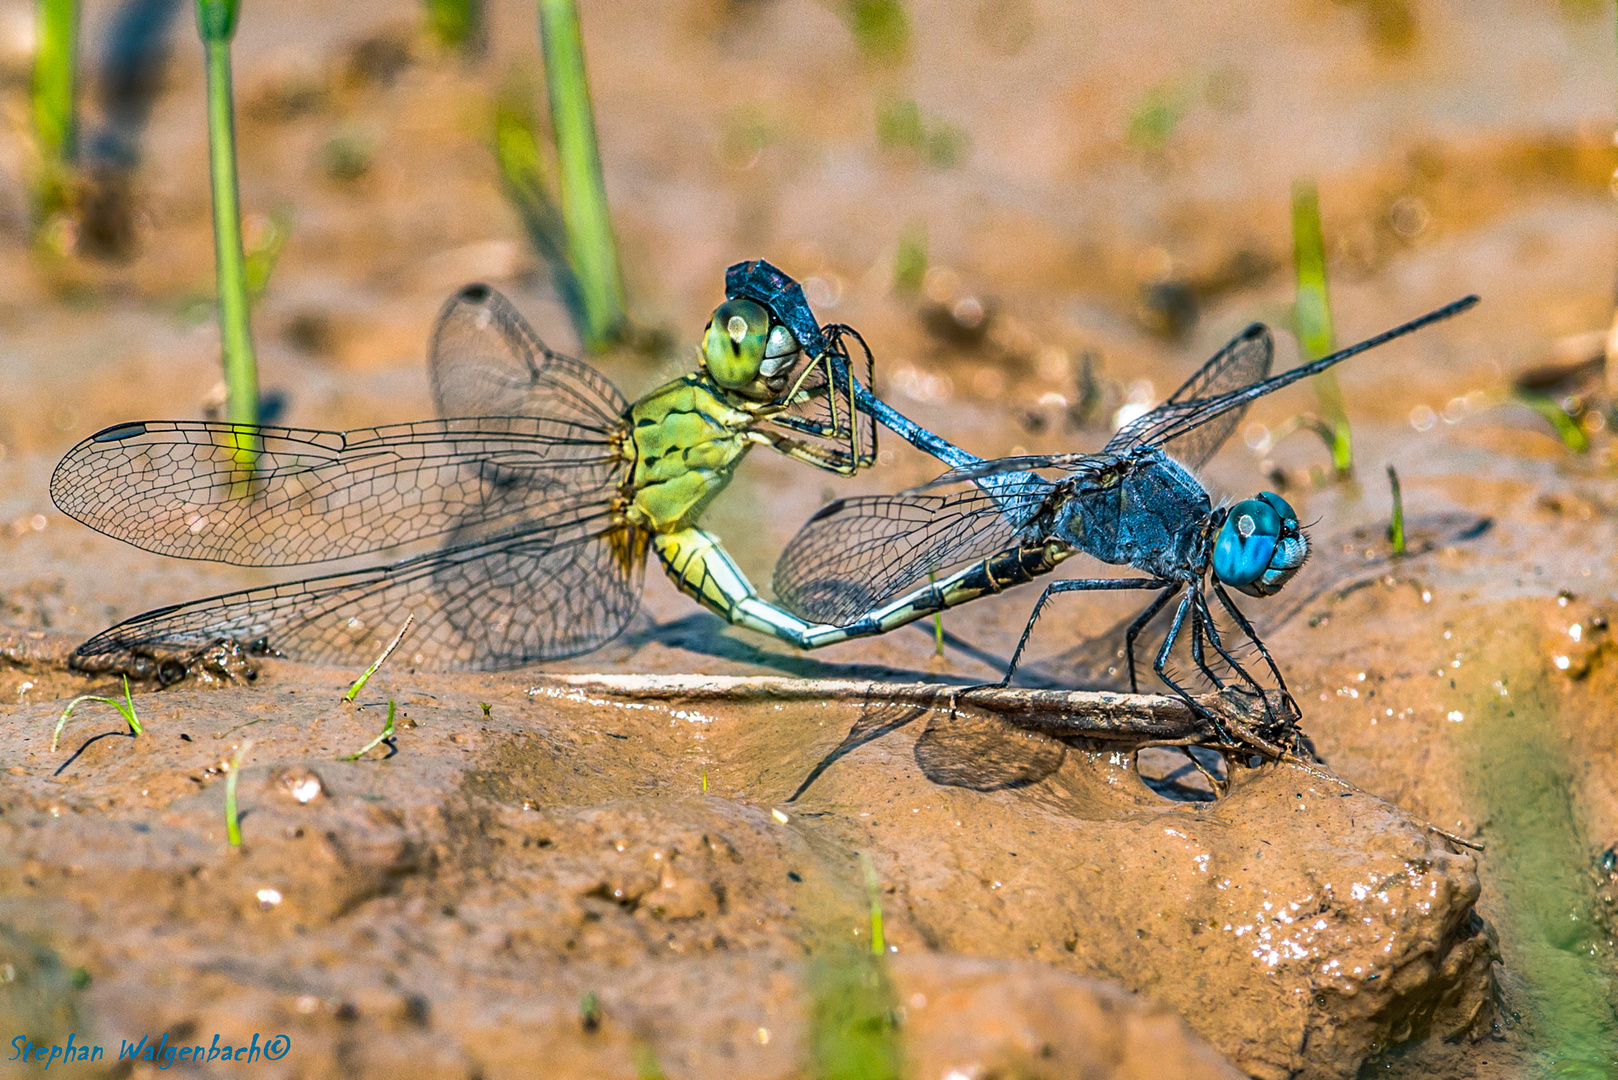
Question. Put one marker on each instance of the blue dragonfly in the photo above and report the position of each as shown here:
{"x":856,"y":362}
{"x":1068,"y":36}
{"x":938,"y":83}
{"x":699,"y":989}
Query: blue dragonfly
{"x":1136,"y":503}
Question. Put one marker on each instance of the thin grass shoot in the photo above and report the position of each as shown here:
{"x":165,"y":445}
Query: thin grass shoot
{"x":359,"y":684}
{"x":387,"y":733}
{"x":590,"y":1012}
{"x":125,"y":707}
{"x":216,"y":25}
{"x":233,"y":826}
{"x":1396,"y":521}
{"x":591,"y":250}
{"x":1566,"y":427}
{"x":56,"y":38}
{"x":873,"y":895}
{"x":453,"y":24}
{"x":1313,"y":323}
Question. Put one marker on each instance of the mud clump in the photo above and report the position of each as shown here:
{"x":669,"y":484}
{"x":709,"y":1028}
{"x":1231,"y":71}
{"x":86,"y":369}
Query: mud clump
{"x":690,"y":866}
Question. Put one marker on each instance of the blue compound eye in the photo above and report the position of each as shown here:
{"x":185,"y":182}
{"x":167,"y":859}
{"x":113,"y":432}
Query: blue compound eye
{"x":1280,"y":506}
{"x":1247,"y":540}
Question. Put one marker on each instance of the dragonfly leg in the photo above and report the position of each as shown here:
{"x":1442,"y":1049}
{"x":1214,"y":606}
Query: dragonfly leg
{"x":1161,"y":663}
{"x":1247,"y":628}
{"x":1073,"y":585}
{"x":1138,"y":625}
{"x":1241,"y":672}
{"x":1201,"y":627}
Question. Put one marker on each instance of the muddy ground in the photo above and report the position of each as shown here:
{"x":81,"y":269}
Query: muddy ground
{"x":577,"y":883}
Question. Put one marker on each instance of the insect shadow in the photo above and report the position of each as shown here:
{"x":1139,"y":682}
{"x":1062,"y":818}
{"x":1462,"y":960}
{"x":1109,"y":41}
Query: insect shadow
{"x":960,"y":747}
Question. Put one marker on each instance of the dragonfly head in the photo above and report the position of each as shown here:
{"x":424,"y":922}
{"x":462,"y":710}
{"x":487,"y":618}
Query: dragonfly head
{"x":1260,"y":546}
{"x":748,"y":351}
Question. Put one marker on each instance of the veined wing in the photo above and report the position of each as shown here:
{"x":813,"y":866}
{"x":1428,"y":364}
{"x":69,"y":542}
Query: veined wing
{"x":179,"y":487}
{"x":1175,"y":420}
{"x":1244,"y":360}
{"x":485,"y":360}
{"x":857,"y":554}
{"x":489,"y":604}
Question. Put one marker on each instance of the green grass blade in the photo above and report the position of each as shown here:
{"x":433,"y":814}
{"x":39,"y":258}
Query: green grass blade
{"x":216,"y":23}
{"x":1312,"y":318}
{"x":1567,"y":429}
{"x":938,"y":622}
{"x":359,"y":683}
{"x":56,"y":33}
{"x":910,"y":261}
{"x":851,"y":1019}
{"x":1396,"y":521}
{"x":525,"y":178}
{"x":592,"y":252}
{"x":233,"y":828}
{"x":126,"y":708}
{"x":453,"y":23}
{"x":387,"y":733}
{"x":873,"y":895}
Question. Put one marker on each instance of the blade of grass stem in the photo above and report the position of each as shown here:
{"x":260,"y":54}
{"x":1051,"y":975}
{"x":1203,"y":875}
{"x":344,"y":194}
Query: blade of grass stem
{"x":233,"y":828}
{"x":524,"y":176}
{"x":938,"y":623}
{"x":125,"y":707}
{"x":387,"y":733}
{"x":453,"y":23}
{"x":56,"y":37}
{"x":1567,"y":428}
{"x":410,"y":620}
{"x":1312,"y":319}
{"x":216,"y":24}
{"x":592,"y":252}
{"x":1396,"y":521}
{"x":873,"y":894}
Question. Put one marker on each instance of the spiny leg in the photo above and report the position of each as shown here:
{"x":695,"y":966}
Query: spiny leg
{"x":1139,"y":624}
{"x":1160,"y":666}
{"x":1200,"y":618}
{"x":1071,"y":585}
{"x":1247,"y":628}
{"x":1241,"y":672}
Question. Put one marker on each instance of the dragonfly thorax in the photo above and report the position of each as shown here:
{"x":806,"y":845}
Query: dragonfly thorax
{"x":1144,"y":510}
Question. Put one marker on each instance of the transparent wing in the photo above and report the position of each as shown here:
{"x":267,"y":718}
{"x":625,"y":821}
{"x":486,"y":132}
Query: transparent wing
{"x":479,"y":606}
{"x":1244,"y":360}
{"x":1172,"y":421}
{"x":857,"y":554}
{"x":179,"y":487}
{"x":486,"y":360}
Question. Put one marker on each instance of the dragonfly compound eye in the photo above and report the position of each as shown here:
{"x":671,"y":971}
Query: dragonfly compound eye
{"x":733,"y":345}
{"x":1260,"y":546}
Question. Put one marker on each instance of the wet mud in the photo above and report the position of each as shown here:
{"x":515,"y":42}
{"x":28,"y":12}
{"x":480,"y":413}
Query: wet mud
{"x":620,"y":887}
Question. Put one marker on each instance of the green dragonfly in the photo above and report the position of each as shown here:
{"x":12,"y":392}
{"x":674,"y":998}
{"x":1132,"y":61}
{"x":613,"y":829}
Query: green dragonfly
{"x":542,"y":485}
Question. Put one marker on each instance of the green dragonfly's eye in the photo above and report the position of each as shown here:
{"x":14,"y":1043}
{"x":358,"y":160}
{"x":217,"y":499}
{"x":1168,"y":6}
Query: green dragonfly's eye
{"x":733,"y":345}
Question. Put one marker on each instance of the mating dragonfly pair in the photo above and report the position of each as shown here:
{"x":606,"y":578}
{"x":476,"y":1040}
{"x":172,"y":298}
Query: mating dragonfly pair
{"x":545,"y":489}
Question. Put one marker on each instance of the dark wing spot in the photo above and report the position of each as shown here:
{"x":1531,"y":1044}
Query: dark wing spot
{"x":829,"y":510}
{"x":120,"y":432}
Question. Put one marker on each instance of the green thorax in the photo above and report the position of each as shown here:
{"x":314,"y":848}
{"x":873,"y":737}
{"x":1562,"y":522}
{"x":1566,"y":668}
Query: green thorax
{"x":687,"y":439}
